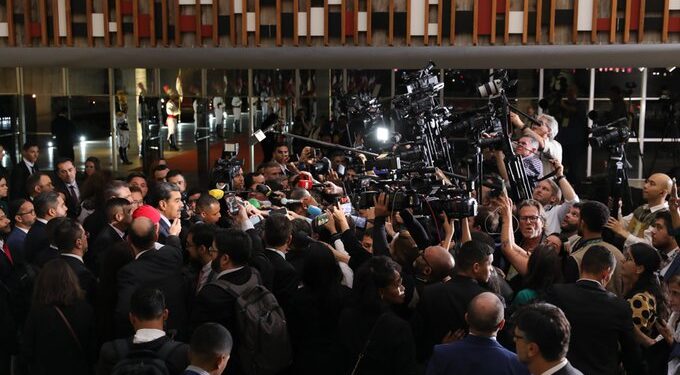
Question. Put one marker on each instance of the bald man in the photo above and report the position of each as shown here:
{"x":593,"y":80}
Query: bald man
{"x":637,"y":227}
{"x":433,"y":265}
{"x":478,"y":353}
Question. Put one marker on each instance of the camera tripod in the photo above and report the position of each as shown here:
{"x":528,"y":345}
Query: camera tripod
{"x":619,"y":190}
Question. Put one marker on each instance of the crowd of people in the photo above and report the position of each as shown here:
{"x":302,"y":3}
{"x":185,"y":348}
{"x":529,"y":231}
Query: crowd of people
{"x":284,"y":274}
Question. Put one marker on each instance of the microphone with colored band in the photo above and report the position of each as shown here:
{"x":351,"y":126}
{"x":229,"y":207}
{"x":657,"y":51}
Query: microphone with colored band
{"x":286,"y":201}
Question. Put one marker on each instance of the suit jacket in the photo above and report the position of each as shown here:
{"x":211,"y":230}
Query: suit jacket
{"x":598,"y":327}
{"x":95,"y":222}
{"x":474,"y":355}
{"x":86,"y":279}
{"x":20,"y":174}
{"x":107,"y":295}
{"x":15,"y":241}
{"x":72,"y":204}
{"x":442,"y":309}
{"x":163,"y":231}
{"x":213,"y":304}
{"x":37,"y":246}
{"x":285,"y":278}
{"x":6,"y":267}
{"x":106,"y":239}
{"x":673,"y":269}
{"x":568,"y":370}
{"x":160,"y":269}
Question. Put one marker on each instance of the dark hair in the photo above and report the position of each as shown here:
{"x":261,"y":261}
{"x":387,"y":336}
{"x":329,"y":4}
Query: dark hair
{"x":235,"y":243}
{"x":30,"y":144}
{"x":13,"y":207}
{"x":34,"y":180}
{"x":209,"y":341}
{"x":163,"y":192}
{"x":95,"y":161}
{"x":160,"y":167}
{"x":248,"y":180}
{"x":487,"y":220}
{"x":597,"y":259}
{"x":277,"y":229}
{"x":142,"y":237}
{"x":135,"y":189}
{"x":321,"y":271}
{"x":62,"y":160}
{"x":147,"y":303}
{"x":51,"y":229}
{"x":134,"y":175}
{"x":377,"y":272}
{"x":665,"y":215}
{"x":280,"y":144}
{"x":546,"y":326}
{"x":543,"y":269}
{"x":648,"y":281}
{"x":66,"y":234}
{"x":205,"y":201}
{"x":57,"y":285}
{"x":301,"y":231}
{"x":94,"y":188}
{"x":472,"y":252}
{"x":113,"y":205}
{"x":173,"y":173}
{"x":44,"y":202}
{"x":202,"y":234}
{"x":112,"y":188}
{"x":594,"y":214}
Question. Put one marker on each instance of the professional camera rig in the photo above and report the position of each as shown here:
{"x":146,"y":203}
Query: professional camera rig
{"x":411,"y":146}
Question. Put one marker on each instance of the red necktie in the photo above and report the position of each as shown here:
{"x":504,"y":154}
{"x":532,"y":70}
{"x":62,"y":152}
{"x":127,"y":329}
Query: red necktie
{"x":5,"y":248}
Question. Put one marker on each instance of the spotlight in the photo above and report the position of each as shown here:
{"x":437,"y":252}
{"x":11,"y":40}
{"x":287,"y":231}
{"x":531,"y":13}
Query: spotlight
{"x":382,"y":134}
{"x":671,"y":69}
{"x":82,"y":138}
{"x":50,"y":144}
{"x":33,"y":96}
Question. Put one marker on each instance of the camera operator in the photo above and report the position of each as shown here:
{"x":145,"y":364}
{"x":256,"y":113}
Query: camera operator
{"x":238,"y":180}
{"x":527,"y":149}
{"x":545,"y":135}
{"x":550,"y":193}
{"x":637,"y":226}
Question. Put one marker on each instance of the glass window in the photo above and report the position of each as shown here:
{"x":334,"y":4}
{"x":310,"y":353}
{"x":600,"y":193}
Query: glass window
{"x":88,"y":81}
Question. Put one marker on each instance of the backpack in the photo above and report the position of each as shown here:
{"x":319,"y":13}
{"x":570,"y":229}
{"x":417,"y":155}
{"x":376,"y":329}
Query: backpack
{"x":264,"y":347}
{"x":142,"y":362}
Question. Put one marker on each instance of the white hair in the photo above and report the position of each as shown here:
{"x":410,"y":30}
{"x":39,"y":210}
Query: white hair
{"x":552,"y":125}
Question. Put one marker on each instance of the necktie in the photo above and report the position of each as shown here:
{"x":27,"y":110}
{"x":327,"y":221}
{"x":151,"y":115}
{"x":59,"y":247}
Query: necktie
{"x":5,"y":248}
{"x":32,"y":170}
{"x":199,"y":283}
{"x":74,"y":195}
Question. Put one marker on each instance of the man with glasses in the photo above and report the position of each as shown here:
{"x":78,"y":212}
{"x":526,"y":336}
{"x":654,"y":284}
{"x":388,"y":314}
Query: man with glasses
{"x":544,"y":133}
{"x":22,"y":213}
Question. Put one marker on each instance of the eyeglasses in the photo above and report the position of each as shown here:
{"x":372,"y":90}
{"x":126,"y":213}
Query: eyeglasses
{"x":529,"y":219}
{"x":26,"y":213}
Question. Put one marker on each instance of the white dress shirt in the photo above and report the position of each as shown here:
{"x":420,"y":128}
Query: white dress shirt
{"x":73,"y":256}
{"x":147,"y":335}
{"x":556,"y":368}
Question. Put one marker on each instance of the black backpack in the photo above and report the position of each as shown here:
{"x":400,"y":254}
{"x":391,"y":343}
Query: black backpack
{"x":142,"y":362}
{"x":264,"y":347}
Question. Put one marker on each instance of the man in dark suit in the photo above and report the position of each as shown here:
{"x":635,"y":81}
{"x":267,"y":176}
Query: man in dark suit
{"x":209,"y":350}
{"x":23,"y":170}
{"x":71,"y":240}
{"x":38,"y":182}
{"x":479,"y":353}
{"x":63,"y":131}
{"x":23,"y":215}
{"x":97,"y":221}
{"x":277,"y":238}
{"x":68,"y":180}
{"x":215,"y":304}
{"x":199,"y":243}
{"x":119,"y":214}
{"x":600,"y":321}
{"x":541,"y":338}
{"x":148,"y":313}
{"x":154,"y":266}
{"x":37,"y":245}
{"x":441,"y":310}
{"x":168,"y":202}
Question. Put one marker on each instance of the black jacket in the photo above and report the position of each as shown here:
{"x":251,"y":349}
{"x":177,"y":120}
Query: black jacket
{"x":107,"y":295}
{"x":72,"y":203}
{"x":37,"y":249}
{"x":160,"y":269}
{"x":285,"y":278}
{"x":391,"y":349}
{"x":20,"y":174}
{"x":568,"y":370}
{"x":86,"y":279}
{"x":214,"y":304}
{"x":441,"y":309}
{"x":48,"y":346}
{"x":600,"y":322}
{"x":95,"y":222}
{"x":106,"y":239}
